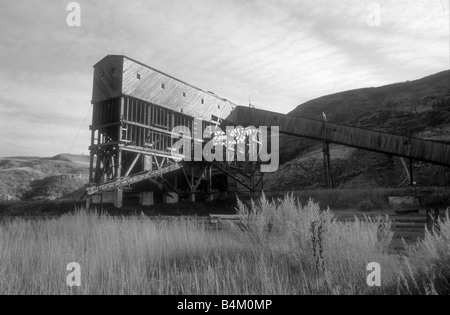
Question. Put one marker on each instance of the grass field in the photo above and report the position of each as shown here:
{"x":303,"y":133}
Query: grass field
{"x":281,"y":248}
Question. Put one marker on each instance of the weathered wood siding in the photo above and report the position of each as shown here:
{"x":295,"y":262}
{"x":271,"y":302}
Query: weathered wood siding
{"x":121,"y":76}
{"x":143,"y":124}
{"x":106,"y":112}
{"x":107,"y":79}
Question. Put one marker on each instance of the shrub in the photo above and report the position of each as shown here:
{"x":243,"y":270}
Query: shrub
{"x":285,"y":248}
{"x":333,"y":253}
{"x":426,"y":269}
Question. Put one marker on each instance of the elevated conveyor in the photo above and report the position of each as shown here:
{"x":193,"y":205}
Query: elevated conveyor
{"x":129,"y":180}
{"x":381,"y":142}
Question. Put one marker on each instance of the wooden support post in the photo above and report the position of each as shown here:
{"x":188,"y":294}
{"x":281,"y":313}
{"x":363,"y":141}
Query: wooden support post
{"x":192,"y":177}
{"x":97,"y":167}
{"x":113,"y":166}
{"x":210,"y":190}
{"x":167,"y":183}
{"x":411,"y":172}
{"x":329,"y":183}
{"x":136,"y":159}
{"x":330,"y":174}
{"x":119,"y":151}
{"x":192,"y":184}
{"x":186,"y":177}
{"x":411,"y":165}
{"x":91,"y":159}
{"x":119,"y":164}
{"x":326,"y":154}
{"x":104,"y":161}
{"x":325,"y":168}
{"x":118,"y":193}
{"x":118,"y":198}
{"x":201,"y":178}
{"x":232,"y":176}
{"x":148,"y":163}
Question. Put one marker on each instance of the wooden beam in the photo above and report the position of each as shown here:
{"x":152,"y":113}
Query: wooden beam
{"x":175,"y":190}
{"x":411,"y":165}
{"x":232,"y":176}
{"x":103,"y":145}
{"x":260,"y":180}
{"x":97,"y":169}
{"x":330,"y":174}
{"x":411,"y":172}
{"x":91,"y":159}
{"x":135,"y":149}
{"x":119,"y":154}
{"x":154,"y":181}
{"x":192,"y":178}
{"x":329,"y":182}
{"x":100,"y":127}
{"x":201,"y":178}
{"x":187,"y":178}
{"x":133,"y":179}
{"x":159,"y":130}
{"x":113,"y":166}
{"x":130,"y":169}
{"x":210,"y":179}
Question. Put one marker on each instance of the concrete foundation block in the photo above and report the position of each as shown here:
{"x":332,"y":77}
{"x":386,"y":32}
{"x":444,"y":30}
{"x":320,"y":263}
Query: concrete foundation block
{"x":146,"y":198}
{"x":191,"y":198}
{"x":88,"y":203}
{"x":118,"y":198}
{"x":171,"y":198}
{"x":102,"y":198}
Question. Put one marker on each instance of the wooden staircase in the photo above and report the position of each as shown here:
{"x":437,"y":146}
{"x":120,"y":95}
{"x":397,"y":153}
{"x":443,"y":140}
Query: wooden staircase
{"x":133,"y":179}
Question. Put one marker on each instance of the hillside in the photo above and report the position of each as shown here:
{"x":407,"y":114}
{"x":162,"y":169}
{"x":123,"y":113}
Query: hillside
{"x":34,"y":178}
{"x":420,"y":107}
{"x":356,"y":106}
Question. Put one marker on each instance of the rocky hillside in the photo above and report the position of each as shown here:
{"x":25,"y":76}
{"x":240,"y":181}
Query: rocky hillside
{"x":33,"y":178}
{"x":421,"y":107}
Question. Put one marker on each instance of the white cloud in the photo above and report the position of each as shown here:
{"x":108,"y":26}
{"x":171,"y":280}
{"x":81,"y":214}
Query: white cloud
{"x":276,"y":53}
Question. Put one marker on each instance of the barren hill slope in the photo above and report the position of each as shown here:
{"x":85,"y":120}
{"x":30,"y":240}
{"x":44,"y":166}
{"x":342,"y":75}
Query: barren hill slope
{"x":34,"y":178}
{"x":421,"y":107}
{"x":375,"y":106}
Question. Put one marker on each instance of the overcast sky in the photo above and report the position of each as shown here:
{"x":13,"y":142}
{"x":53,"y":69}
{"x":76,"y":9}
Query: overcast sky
{"x":278,"y":54}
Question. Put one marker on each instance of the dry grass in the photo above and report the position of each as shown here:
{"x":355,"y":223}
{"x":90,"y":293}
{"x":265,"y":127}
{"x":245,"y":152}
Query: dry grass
{"x":428,"y":263}
{"x":286,"y":248}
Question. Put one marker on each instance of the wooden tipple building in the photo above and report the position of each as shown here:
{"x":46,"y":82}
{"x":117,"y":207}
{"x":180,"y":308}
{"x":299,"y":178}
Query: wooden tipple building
{"x":135,"y":110}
